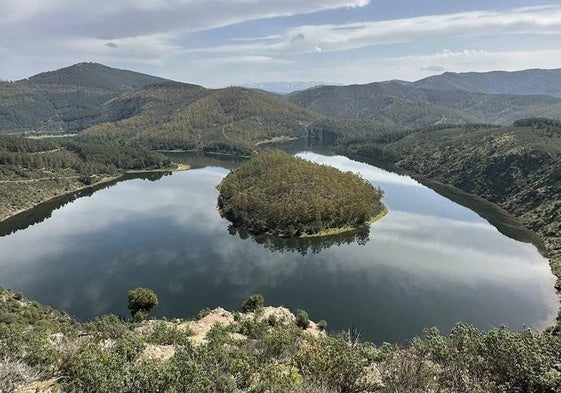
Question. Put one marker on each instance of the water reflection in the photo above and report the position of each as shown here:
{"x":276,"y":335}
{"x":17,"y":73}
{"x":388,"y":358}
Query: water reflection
{"x":43,"y":211}
{"x":314,"y":245}
{"x":428,"y":262}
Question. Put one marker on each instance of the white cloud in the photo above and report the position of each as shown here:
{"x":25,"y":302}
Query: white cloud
{"x":348,"y":70}
{"x":128,"y":18}
{"x":307,"y":38}
{"x":418,"y":66}
{"x":149,"y":49}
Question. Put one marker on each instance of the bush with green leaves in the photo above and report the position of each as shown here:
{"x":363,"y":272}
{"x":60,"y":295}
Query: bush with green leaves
{"x":302,"y":319}
{"x":166,"y":333}
{"x":253,"y":303}
{"x":141,"y":302}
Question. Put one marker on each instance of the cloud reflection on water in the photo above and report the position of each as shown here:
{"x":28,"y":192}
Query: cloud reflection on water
{"x":437,"y":265}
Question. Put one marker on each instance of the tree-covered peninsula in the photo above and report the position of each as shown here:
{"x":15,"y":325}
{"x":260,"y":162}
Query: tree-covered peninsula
{"x":278,"y":194}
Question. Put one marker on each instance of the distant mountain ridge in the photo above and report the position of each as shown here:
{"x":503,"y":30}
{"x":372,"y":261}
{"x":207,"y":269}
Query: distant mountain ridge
{"x":75,"y":98}
{"x":494,"y":97}
{"x":531,"y":82}
{"x":282,"y":87}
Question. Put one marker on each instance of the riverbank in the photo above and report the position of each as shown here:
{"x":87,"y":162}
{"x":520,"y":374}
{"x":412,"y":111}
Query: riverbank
{"x":36,"y":192}
{"x":523,"y":222}
{"x":338,"y":231}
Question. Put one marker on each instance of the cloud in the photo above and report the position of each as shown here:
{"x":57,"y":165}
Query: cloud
{"x":128,"y":18}
{"x":306,"y":38}
{"x":249,"y":59}
{"x":252,"y":39}
{"x":111,"y":45}
{"x":58,"y":32}
{"x":432,"y":68}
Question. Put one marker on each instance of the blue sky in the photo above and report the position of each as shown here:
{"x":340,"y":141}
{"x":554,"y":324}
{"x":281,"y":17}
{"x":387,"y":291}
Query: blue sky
{"x":219,"y":42}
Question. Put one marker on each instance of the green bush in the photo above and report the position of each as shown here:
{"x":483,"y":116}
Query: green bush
{"x":322,"y":325}
{"x":164,"y":333}
{"x":141,"y":302}
{"x":253,"y":303}
{"x":302,"y":319}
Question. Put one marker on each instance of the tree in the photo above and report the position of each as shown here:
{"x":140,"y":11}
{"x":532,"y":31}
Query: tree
{"x":253,"y":303}
{"x":141,"y":302}
{"x":302,"y":319}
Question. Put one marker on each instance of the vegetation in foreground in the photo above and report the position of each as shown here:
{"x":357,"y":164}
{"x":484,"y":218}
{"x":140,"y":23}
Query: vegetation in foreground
{"x":278,"y":194}
{"x":263,"y":349}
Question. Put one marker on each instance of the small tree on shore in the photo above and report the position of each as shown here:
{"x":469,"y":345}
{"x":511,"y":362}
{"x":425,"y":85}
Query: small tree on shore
{"x":141,"y":302}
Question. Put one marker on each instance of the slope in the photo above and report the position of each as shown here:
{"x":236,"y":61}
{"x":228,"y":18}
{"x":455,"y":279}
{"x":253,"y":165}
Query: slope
{"x":179,"y":116}
{"x":516,"y":167}
{"x":376,"y":101}
{"x":64,"y":101}
{"x":96,"y":76}
{"x":408,"y":105}
{"x":535,"y":81}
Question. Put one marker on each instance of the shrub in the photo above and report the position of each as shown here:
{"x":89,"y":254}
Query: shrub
{"x":203,"y":313}
{"x":302,"y":319}
{"x":322,"y":325}
{"x":141,"y":302}
{"x":253,"y":303}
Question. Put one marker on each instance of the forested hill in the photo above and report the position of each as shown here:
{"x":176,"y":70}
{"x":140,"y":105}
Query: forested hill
{"x":532,"y":82}
{"x":72,"y":99}
{"x":95,"y":75}
{"x":379,"y":102}
{"x":64,"y":101}
{"x":179,"y":116}
{"x":516,"y":167}
{"x":414,"y":105}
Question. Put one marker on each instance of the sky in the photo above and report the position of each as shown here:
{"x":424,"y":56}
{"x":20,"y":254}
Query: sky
{"x":219,"y":43}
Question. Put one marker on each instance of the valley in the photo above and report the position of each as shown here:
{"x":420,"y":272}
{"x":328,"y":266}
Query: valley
{"x":490,"y":142}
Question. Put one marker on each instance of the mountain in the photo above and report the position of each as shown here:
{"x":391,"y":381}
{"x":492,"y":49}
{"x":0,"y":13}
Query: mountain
{"x":533,"y":82}
{"x":282,"y":87}
{"x":407,"y":104}
{"x":181,"y":116}
{"x":376,"y":101}
{"x":96,"y":76}
{"x":67,"y":100}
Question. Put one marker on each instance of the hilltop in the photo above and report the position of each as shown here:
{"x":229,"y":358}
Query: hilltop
{"x":529,"y":82}
{"x":66,"y":100}
{"x":94,"y":75}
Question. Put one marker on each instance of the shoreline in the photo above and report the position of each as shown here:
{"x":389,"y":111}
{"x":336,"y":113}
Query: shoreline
{"x":103,"y":180}
{"x":337,"y":231}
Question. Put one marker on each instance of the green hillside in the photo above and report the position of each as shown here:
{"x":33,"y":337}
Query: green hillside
{"x":34,"y":171}
{"x":259,"y":349}
{"x":516,"y":167}
{"x":65,"y":101}
{"x":178,"y":116}
{"x":530,"y":82}
{"x":376,"y":102}
{"x":412,"y":105}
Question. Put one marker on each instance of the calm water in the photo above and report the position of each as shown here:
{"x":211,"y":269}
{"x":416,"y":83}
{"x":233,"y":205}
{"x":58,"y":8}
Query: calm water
{"x":429,"y":262}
